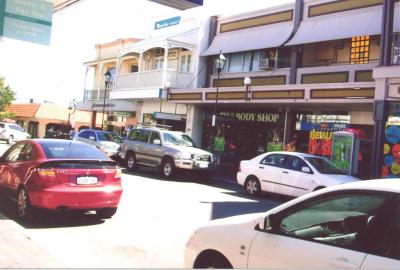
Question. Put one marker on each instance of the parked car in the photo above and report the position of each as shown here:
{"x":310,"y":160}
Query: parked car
{"x":350,"y":226}
{"x":60,"y":175}
{"x":12,"y":132}
{"x":289,"y":173}
{"x":106,"y":141}
{"x":164,"y":149}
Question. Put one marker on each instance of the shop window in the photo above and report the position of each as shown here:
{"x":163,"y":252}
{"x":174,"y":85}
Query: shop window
{"x":359,"y":50}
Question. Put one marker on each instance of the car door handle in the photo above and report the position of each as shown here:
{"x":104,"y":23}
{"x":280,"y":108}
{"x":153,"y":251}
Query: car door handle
{"x":285,"y":172}
{"x":261,"y":167}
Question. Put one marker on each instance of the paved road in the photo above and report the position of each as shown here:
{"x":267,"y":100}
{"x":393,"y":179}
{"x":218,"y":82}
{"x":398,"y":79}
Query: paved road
{"x":151,"y":226}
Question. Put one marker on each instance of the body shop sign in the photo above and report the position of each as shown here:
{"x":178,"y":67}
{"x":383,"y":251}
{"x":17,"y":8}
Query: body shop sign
{"x":253,"y":117}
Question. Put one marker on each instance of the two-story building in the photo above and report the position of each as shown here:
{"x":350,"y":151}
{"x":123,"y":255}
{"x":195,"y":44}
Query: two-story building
{"x":169,"y":59}
{"x":118,"y":114}
{"x":310,"y":66}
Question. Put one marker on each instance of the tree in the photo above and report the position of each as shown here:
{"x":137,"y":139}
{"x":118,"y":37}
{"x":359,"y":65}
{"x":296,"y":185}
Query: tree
{"x":7,"y":95}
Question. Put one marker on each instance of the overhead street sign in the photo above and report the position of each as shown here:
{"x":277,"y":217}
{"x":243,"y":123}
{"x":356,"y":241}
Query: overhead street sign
{"x":27,"y":20}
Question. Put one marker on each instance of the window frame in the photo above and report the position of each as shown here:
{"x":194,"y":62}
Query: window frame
{"x":275,"y":166}
{"x":391,"y":199}
{"x":151,"y":139}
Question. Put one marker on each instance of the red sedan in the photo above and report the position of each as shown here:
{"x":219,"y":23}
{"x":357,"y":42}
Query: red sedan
{"x":60,"y":175}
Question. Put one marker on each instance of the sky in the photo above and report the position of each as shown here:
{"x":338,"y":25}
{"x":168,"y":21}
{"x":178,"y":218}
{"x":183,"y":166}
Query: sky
{"x":56,"y":73}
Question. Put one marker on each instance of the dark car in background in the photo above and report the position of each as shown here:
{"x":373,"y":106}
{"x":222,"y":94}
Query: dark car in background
{"x":60,"y":175}
{"x":106,"y":141}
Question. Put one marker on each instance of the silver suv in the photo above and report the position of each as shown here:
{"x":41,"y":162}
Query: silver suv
{"x":164,"y":149}
{"x":12,"y":132}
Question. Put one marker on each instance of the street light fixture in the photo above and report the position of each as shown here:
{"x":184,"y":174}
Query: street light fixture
{"x":107,"y":82}
{"x":219,"y":66}
{"x":247,"y":82}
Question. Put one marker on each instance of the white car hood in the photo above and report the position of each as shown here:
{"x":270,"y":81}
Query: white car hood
{"x":240,"y":219}
{"x":110,"y":144}
{"x":340,"y":179}
{"x":188,"y":149}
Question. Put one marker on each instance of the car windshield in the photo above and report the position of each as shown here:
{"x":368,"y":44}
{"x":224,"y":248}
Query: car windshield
{"x":178,"y":139}
{"x":324,"y":166}
{"x":71,"y":150}
{"x":109,"y":137}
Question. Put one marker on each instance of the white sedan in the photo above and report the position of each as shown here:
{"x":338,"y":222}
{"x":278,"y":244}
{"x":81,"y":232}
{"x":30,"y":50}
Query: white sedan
{"x":289,"y":173}
{"x":350,"y":226}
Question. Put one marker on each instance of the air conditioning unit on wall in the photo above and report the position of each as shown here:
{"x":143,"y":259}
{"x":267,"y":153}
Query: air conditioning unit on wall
{"x":266,"y":64}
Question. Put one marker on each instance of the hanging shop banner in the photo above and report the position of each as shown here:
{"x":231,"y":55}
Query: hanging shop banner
{"x":342,"y":150}
{"x":391,"y":151}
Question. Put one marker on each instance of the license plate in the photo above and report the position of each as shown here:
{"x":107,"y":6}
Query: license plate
{"x":86,"y":180}
{"x":203,"y":165}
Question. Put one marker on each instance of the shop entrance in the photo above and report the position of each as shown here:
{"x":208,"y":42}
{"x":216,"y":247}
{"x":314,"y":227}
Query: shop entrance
{"x":242,"y":135}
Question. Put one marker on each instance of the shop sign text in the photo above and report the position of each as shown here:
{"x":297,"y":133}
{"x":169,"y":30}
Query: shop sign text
{"x":253,"y":117}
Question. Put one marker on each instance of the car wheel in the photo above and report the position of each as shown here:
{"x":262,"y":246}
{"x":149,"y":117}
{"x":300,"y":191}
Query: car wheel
{"x":10,"y":139}
{"x":252,"y":186}
{"x":24,"y":209}
{"x":131,"y":164}
{"x":167,"y":168}
{"x":215,"y":261}
{"x":106,"y":213}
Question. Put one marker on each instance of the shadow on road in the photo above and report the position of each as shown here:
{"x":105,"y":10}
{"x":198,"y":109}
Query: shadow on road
{"x":46,"y":219}
{"x":232,"y":208}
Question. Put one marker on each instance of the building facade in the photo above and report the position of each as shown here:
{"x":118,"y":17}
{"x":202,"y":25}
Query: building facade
{"x":46,"y":120}
{"x":118,"y":114}
{"x":315,"y":68}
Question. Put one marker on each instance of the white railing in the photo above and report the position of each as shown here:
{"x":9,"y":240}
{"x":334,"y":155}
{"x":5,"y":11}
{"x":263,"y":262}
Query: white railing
{"x":153,"y":78}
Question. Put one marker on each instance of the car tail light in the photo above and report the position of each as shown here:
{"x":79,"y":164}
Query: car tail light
{"x":47,"y":174}
{"x":118,"y":173}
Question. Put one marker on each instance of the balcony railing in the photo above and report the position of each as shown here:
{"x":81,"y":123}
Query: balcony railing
{"x":153,"y":79}
{"x":95,"y":94}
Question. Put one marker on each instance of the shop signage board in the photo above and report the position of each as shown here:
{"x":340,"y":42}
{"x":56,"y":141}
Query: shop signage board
{"x":26,"y":20}
{"x":167,"y":22}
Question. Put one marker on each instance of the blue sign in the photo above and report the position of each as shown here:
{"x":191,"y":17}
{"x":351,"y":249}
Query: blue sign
{"x":167,"y":22}
{"x":392,"y":134}
{"x":326,"y":126}
{"x":27,"y":20}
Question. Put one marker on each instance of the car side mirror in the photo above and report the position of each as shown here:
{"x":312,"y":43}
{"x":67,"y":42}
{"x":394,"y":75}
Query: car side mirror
{"x":157,"y":141}
{"x":92,"y":138}
{"x":268,"y":223}
{"x":306,"y":170}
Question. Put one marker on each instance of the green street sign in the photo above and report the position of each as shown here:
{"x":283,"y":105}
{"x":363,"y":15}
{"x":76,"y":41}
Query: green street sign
{"x":27,"y":20}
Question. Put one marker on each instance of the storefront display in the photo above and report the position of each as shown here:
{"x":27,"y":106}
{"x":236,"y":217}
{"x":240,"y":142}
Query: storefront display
{"x":391,"y":149}
{"x":243,"y":134}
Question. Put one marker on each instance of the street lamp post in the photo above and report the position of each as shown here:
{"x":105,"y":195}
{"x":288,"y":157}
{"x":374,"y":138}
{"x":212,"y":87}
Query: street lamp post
{"x":107,"y":81}
{"x":247,"y":82}
{"x":219,"y":66}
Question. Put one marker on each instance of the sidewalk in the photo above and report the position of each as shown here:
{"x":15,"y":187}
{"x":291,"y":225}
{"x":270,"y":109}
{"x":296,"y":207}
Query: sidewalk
{"x":17,"y":250}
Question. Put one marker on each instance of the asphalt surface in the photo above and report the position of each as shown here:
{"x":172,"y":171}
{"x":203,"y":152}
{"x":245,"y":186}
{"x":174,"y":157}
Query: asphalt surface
{"x":154,"y":220}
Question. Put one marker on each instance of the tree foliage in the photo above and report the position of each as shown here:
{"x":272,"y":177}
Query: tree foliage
{"x":7,"y":95}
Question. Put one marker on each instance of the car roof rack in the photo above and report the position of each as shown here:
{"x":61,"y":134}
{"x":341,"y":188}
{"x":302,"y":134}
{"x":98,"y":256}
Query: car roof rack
{"x":153,"y":126}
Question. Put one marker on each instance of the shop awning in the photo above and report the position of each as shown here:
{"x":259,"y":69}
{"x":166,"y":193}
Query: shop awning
{"x":346,"y":25}
{"x":250,"y":39}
